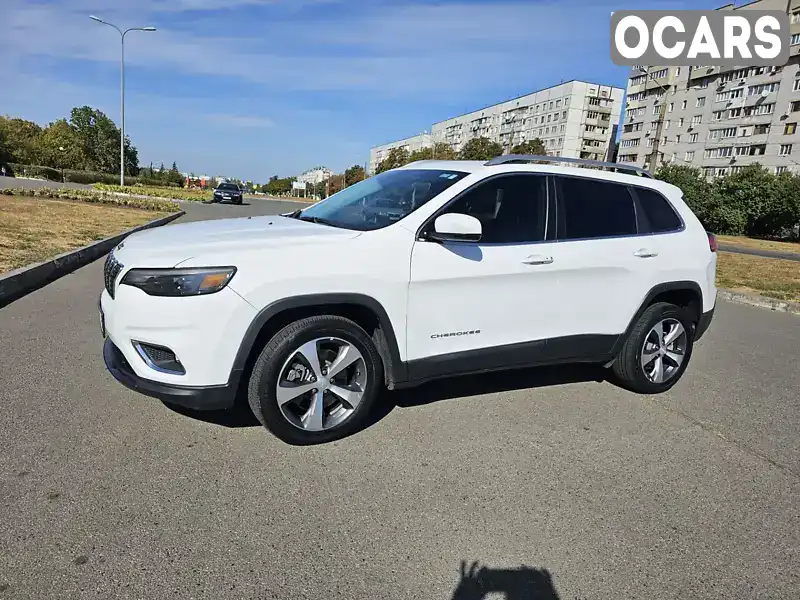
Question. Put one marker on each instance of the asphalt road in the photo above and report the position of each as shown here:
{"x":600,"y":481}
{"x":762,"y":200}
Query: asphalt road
{"x":759,"y":252}
{"x":692,"y":494}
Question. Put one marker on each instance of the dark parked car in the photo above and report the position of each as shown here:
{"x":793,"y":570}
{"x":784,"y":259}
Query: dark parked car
{"x":228,"y":192}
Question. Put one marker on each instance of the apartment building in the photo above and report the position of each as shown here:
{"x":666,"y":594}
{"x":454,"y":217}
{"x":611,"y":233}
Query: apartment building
{"x":315,"y":176}
{"x":575,"y":119}
{"x":717,"y":119}
{"x":415,"y":142}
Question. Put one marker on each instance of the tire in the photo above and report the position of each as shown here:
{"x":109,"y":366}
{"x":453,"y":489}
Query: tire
{"x":274,"y":363}
{"x":628,"y":368}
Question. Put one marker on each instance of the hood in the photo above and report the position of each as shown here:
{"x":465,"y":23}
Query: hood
{"x":171,"y":244}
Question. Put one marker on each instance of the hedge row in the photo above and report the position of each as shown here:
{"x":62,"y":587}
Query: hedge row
{"x":156,"y":192}
{"x":95,"y":198}
{"x":85,"y":177}
{"x":752,"y":201}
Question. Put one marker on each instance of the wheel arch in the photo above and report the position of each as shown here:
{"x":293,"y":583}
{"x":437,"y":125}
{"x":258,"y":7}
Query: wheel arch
{"x":363,"y":310}
{"x":686,"y":294}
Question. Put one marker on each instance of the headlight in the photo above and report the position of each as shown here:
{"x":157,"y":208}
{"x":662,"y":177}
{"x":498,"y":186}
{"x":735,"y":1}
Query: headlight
{"x":179,"y":282}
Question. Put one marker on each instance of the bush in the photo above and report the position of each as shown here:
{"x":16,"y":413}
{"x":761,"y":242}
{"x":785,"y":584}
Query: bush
{"x":84,"y":177}
{"x":157,"y":192}
{"x":34,"y":171}
{"x":95,"y":197}
{"x":752,"y":201}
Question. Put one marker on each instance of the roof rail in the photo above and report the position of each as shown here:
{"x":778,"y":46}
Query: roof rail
{"x":529,"y":158}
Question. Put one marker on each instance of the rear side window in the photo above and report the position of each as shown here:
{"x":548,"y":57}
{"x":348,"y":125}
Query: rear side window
{"x":656,"y":215}
{"x":589,"y":208}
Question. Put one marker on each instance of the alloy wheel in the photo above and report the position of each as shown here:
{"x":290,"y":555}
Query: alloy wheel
{"x":664,"y":350}
{"x":321,"y":384}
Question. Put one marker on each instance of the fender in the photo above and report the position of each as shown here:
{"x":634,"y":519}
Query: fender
{"x":655,"y":291}
{"x":387,"y":342}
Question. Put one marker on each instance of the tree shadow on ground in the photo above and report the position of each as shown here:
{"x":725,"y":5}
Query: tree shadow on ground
{"x":521,"y":583}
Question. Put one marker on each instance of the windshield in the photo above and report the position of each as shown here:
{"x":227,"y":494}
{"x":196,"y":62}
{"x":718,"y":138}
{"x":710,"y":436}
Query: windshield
{"x":228,"y":186}
{"x":383,"y":199}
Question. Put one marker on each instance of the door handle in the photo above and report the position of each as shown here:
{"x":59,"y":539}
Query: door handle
{"x":645,"y":253}
{"x":538,"y":259}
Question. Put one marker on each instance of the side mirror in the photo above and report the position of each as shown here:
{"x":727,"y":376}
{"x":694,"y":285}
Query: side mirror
{"x":455,"y":227}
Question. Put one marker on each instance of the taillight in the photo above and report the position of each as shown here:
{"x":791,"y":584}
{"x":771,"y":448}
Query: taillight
{"x":712,"y":242}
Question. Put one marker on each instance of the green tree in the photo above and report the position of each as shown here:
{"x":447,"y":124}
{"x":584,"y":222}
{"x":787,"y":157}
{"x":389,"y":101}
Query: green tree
{"x":439,"y":151}
{"x":783,"y":214}
{"x":5,"y":149}
{"x":21,"y":139}
{"x":742,"y":200}
{"x":174,"y":175}
{"x":57,"y":135}
{"x":697,"y":191}
{"x":442,"y":151}
{"x":99,"y":138}
{"x":277,"y":186}
{"x":336,"y":184}
{"x":480,"y":148}
{"x":397,"y":157}
{"x":534,"y":146}
{"x":354,"y":174}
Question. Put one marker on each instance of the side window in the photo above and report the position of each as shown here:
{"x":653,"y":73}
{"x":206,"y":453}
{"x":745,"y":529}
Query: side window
{"x":589,"y":208}
{"x":655,"y":214}
{"x":511,"y":209}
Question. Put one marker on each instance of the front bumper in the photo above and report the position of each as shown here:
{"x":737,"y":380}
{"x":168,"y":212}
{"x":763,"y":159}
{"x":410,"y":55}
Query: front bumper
{"x":197,"y":398}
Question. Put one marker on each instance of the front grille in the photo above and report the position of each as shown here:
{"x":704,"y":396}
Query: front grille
{"x":110,"y":272}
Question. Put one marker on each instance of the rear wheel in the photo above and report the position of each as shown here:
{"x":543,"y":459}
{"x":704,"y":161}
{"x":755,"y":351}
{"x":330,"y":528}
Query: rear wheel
{"x":316,"y":380}
{"x":657,"y":351}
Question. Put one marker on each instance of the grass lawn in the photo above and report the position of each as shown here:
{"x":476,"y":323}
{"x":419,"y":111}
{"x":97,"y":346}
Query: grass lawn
{"x":771,"y":277}
{"x":737,"y":240}
{"x":35,"y":229}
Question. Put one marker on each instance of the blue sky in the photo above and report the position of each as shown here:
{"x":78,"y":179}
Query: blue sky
{"x":253,"y":88}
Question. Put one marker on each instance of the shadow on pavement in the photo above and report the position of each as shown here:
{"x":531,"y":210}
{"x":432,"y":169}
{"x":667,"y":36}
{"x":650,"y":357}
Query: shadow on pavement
{"x":435,"y":391}
{"x":492,"y":383}
{"x":238,"y":416}
{"x":522,"y":583}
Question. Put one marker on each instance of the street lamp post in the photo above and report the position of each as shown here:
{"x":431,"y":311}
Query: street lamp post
{"x":122,"y":90}
{"x":61,"y":160}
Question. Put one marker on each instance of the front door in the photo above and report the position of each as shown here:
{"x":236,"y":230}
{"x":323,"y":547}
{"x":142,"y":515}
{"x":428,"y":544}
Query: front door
{"x":490,"y":299}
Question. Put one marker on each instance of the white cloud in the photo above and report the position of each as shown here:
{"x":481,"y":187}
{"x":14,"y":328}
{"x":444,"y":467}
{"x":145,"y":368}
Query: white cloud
{"x":402,"y":50}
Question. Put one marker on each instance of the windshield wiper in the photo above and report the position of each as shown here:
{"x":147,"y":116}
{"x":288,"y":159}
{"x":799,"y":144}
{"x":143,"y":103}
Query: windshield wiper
{"x":294,"y":215}
{"x":319,"y":220}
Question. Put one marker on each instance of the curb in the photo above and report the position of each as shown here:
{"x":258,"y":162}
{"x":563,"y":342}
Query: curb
{"x":760,"y":301}
{"x":16,"y":284}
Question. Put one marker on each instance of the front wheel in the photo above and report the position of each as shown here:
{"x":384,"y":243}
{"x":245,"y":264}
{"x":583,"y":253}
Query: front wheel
{"x":657,"y":351}
{"x":316,"y":380}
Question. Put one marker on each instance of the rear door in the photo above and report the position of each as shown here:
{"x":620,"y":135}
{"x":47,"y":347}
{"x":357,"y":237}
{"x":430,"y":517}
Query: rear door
{"x":602,"y":261}
{"x":501,"y":290}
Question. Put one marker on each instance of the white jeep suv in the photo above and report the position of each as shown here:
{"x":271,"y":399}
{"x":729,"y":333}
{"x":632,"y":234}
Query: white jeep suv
{"x":434,"y":269}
